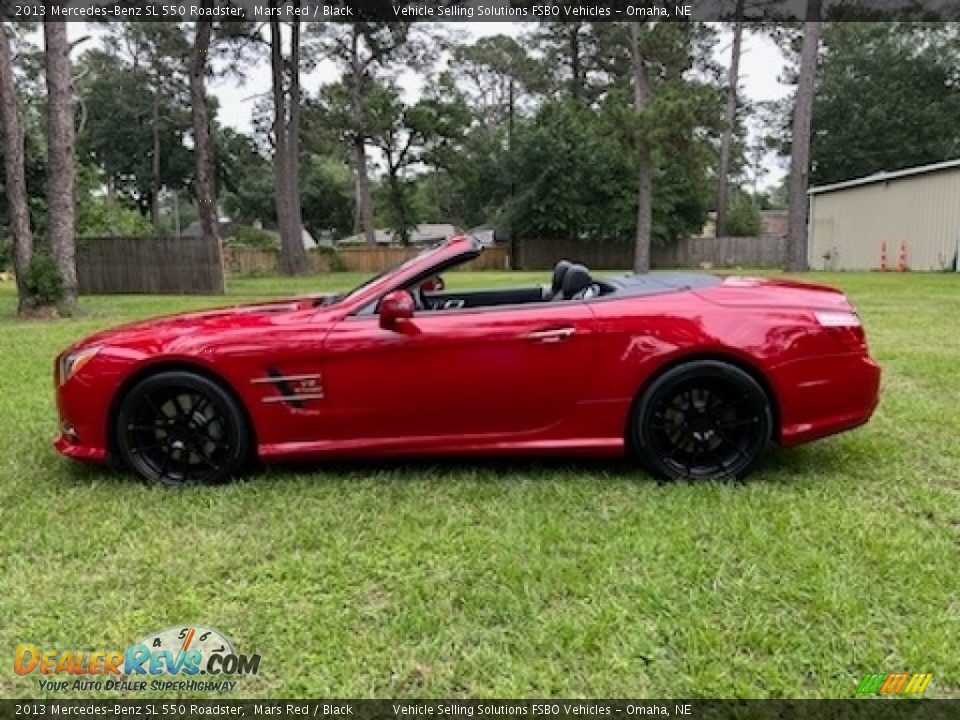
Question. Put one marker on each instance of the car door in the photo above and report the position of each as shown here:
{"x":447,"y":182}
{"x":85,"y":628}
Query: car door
{"x":505,"y":370}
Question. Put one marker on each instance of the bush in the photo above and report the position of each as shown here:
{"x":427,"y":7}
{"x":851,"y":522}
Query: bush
{"x":6,"y":254}
{"x":743,"y":218}
{"x":334,"y":259}
{"x":251,"y":237}
{"x":43,"y":279}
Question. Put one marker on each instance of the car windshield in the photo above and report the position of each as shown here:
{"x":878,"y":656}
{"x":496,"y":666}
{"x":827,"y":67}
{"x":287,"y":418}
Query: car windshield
{"x":395,"y":269}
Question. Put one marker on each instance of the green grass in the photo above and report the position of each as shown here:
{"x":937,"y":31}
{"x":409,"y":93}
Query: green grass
{"x":511,"y":578}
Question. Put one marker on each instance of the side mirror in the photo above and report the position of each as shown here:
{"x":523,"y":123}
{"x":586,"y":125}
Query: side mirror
{"x":395,"y":307}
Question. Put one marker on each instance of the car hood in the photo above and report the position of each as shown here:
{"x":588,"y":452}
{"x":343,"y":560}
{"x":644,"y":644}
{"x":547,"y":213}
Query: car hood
{"x":168,"y":330}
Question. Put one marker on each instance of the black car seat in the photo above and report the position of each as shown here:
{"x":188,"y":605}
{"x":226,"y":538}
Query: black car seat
{"x":575,"y":281}
{"x":559,"y":272}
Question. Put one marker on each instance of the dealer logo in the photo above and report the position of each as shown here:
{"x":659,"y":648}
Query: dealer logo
{"x":184,"y":651}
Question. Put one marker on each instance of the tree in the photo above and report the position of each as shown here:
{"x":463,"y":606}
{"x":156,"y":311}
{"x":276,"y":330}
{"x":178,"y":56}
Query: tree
{"x":800,"y":142}
{"x":363,"y":50}
{"x":16,"y":189}
{"x":730,"y":119}
{"x":286,"y":135}
{"x":60,"y":153}
{"x":900,"y":79}
{"x":568,"y":49}
{"x":135,"y":111}
{"x":204,"y":185}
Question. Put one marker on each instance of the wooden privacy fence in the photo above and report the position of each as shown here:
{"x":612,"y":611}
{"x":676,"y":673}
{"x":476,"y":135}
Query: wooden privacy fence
{"x":542,"y":254}
{"x":240,"y":261}
{"x":723,"y":252}
{"x":162,"y":265}
{"x":254,"y":261}
{"x":377,"y":259}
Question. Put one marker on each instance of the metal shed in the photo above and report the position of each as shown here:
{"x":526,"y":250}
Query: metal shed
{"x":909,"y":217}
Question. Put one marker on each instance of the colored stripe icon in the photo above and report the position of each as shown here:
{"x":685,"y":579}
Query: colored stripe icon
{"x":894,"y":683}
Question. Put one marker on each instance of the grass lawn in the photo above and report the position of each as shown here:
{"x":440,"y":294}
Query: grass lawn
{"x":510,"y":579}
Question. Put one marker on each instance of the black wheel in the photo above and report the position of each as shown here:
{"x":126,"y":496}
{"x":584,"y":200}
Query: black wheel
{"x":179,"y":428}
{"x":705,"y":420}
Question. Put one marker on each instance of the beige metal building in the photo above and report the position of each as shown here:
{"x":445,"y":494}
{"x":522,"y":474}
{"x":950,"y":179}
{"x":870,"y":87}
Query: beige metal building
{"x":916,"y":211}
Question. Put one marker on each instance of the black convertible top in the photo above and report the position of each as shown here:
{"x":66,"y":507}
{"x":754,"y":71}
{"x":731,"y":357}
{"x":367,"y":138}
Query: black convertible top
{"x":659,"y":283}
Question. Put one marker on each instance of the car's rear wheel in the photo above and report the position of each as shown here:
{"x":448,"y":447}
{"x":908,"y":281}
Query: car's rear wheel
{"x":180,"y":428}
{"x":703,"y":420}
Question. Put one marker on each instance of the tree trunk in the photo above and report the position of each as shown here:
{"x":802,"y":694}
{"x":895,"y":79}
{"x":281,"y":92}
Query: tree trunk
{"x":800,"y":142}
{"x":363,"y":198}
{"x":202,"y":142}
{"x":364,"y":202}
{"x":16,"y":189}
{"x":726,"y":140}
{"x":576,"y":87}
{"x":60,"y":207}
{"x":641,"y":96}
{"x":286,"y":92}
{"x":155,"y":179}
{"x":298,"y":262}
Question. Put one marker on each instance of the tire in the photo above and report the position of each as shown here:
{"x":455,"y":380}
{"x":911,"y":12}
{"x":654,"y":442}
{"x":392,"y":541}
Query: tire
{"x":703,"y":420}
{"x":180,"y":428}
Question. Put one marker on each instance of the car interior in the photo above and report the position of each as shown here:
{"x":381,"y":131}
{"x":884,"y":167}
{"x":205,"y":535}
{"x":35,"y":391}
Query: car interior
{"x":570,"y":281}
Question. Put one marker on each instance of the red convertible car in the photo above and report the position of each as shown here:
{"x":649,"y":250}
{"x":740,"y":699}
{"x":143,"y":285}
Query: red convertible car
{"x":691,"y":374}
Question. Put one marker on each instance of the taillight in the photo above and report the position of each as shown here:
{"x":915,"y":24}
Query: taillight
{"x":845,"y":326}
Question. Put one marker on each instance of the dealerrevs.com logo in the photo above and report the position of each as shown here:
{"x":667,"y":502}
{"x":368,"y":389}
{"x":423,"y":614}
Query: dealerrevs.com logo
{"x":170,"y":659}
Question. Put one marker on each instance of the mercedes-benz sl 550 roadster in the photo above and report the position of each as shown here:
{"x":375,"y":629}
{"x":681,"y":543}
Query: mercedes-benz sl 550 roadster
{"x":691,"y":375}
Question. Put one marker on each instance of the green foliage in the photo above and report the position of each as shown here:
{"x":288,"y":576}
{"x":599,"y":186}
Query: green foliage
{"x":887,"y":97}
{"x":743,"y":217}
{"x":98,"y":215}
{"x":573,"y":177}
{"x":326,"y":188}
{"x":326,"y":193}
{"x":132,"y":89}
{"x":252,"y":237}
{"x":335,"y":260}
{"x":43,"y":279}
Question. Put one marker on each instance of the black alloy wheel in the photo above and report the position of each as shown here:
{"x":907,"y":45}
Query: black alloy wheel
{"x":704,"y":420}
{"x":179,"y":428}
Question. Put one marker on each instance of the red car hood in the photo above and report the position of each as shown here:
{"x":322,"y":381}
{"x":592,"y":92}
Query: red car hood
{"x":166,"y":328}
{"x":736,"y":291}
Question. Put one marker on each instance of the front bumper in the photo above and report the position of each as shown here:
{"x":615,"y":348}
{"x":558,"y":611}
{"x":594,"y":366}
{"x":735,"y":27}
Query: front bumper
{"x":66,"y":446}
{"x":82,"y":411}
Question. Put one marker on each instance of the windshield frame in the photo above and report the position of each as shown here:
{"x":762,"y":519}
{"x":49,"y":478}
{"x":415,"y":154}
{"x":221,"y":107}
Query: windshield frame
{"x":398,"y":268}
{"x":441,"y":255}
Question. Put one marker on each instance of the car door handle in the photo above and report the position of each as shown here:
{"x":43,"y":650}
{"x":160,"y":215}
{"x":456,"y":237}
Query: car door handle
{"x":553,"y":335}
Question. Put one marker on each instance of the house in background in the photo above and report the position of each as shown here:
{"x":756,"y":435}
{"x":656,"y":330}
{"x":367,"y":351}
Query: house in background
{"x":226,"y":226}
{"x":860,"y":224}
{"x":424,"y":234}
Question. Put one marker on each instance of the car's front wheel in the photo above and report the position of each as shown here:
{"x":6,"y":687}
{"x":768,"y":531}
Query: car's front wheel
{"x":703,"y":420}
{"x":180,"y":428}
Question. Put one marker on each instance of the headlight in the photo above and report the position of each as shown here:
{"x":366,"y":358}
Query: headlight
{"x":71,"y":362}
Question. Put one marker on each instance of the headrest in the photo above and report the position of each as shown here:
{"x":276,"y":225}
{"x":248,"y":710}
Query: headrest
{"x":576,"y":279}
{"x":559,"y":271}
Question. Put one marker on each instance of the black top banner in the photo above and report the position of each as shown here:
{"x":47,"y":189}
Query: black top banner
{"x":476,"y":10}
{"x":483,"y":709}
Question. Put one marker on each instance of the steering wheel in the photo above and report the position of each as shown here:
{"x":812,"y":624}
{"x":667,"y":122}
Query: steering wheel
{"x":418,"y":301}
{"x":433,"y":283}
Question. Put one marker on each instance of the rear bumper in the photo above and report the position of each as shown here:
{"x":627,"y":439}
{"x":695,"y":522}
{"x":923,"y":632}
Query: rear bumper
{"x":825,"y":395}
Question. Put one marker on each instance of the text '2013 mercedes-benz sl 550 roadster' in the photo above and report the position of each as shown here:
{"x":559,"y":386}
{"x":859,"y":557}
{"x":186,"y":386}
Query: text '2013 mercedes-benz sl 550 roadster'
{"x":692,"y":375}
